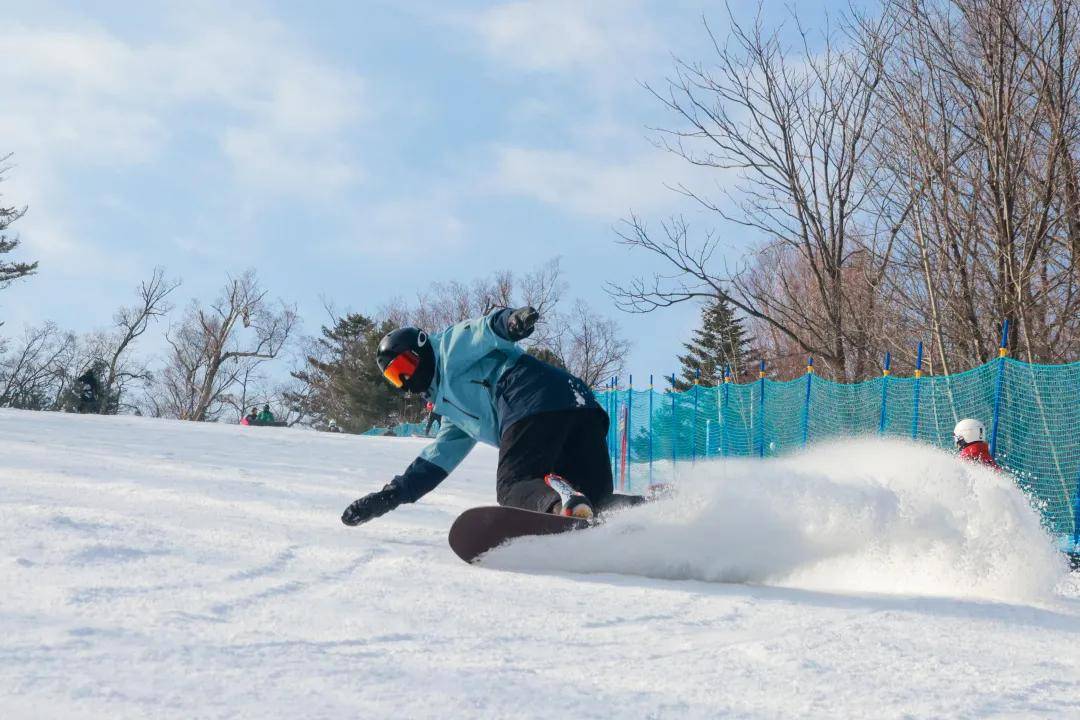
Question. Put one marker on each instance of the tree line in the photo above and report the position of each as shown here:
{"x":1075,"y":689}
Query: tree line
{"x":211,"y":368}
{"x":912,"y":173}
{"x":339,"y":380}
{"x":218,"y":355}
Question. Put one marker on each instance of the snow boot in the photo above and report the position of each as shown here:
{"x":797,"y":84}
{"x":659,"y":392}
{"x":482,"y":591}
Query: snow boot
{"x":572,"y":503}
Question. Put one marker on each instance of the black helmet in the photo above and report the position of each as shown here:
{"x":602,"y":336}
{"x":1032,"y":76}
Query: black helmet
{"x":407,"y":360}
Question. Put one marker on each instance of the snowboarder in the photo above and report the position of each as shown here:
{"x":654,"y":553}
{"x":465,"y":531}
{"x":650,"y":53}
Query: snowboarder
{"x":252,"y":418}
{"x":266,"y":417}
{"x":970,"y":437}
{"x":550,"y":431}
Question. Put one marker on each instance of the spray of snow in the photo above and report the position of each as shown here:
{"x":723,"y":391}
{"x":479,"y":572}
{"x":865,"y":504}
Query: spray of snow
{"x":868,"y":516}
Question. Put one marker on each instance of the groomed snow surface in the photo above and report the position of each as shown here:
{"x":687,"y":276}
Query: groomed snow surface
{"x":155,"y":569}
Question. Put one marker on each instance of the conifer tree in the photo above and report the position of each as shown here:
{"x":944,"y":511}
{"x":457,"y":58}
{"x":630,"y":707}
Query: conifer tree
{"x":10,"y":271}
{"x":344,"y":384}
{"x":720,"y":342}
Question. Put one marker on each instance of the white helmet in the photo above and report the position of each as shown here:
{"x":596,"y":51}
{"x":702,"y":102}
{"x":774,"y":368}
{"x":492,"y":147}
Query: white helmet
{"x":968,"y":431}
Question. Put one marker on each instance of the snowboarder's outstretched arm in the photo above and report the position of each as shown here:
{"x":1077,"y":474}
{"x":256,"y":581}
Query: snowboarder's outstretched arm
{"x":515,"y":325}
{"x":437,"y":461}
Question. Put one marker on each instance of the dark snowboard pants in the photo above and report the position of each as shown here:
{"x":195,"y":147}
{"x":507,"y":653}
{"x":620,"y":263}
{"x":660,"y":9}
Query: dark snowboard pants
{"x":570,"y":443}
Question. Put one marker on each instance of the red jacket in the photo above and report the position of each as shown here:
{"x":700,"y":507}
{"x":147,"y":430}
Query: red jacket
{"x":978,"y":452}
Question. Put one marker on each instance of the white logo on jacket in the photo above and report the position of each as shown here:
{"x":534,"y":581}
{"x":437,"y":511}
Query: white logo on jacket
{"x":579,"y":397}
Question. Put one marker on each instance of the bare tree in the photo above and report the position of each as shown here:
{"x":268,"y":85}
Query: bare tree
{"x":587,"y":344}
{"x":35,"y":373}
{"x":982,"y":100}
{"x":247,"y":390}
{"x":214,"y":346}
{"x":591,"y":346}
{"x":442,"y":304}
{"x":544,"y":289}
{"x":797,"y":128}
{"x":44,"y":371}
{"x":131,"y":322}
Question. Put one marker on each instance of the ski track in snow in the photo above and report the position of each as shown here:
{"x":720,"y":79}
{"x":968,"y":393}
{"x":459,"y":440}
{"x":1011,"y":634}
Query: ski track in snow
{"x":176,"y":570}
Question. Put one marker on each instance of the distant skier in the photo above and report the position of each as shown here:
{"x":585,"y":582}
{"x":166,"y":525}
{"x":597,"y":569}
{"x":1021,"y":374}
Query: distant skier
{"x":252,"y":418}
{"x":266,"y":417}
{"x":88,"y":392}
{"x":970,"y":437}
{"x":549,"y":429}
{"x":433,"y":418}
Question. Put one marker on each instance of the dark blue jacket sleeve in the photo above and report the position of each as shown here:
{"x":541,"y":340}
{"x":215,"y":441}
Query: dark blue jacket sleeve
{"x":420,"y":478}
{"x":499,"y":320}
{"x":513,"y":331}
{"x":436,"y":461}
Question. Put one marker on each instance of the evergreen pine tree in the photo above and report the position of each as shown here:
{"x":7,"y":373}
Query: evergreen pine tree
{"x":87,"y":394}
{"x":10,"y":271}
{"x":720,"y":342}
{"x":344,"y":383}
{"x":546,"y":355}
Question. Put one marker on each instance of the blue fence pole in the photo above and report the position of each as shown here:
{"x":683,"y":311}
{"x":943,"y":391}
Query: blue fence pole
{"x":629,"y":431}
{"x":806,"y":401}
{"x":719,"y":416}
{"x":651,"y":393}
{"x":915,"y":400}
{"x":761,"y":414}
{"x":618,"y":444}
{"x":674,"y":432}
{"x":607,"y":408}
{"x":1003,"y":351}
{"x":884,"y":393}
{"x":693,"y":445}
{"x":724,"y":413}
{"x":1076,"y":519}
{"x":614,"y":424}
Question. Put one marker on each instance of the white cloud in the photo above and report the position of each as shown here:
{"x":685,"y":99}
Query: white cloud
{"x":406,"y":228}
{"x":603,"y":165}
{"x":81,"y":99}
{"x":270,"y":161}
{"x":292,"y":114}
{"x":591,"y":185}
{"x":602,"y":37}
{"x":66,"y":96}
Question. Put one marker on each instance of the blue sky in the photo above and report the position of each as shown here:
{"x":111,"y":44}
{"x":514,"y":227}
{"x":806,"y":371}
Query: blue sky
{"x":353,"y":151}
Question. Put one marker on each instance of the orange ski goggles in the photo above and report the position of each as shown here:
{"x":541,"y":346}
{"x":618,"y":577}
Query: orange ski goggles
{"x":401,"y":368}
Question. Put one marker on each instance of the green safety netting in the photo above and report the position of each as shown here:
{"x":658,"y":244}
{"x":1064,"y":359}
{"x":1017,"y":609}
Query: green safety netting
{"x":1032,"y":413}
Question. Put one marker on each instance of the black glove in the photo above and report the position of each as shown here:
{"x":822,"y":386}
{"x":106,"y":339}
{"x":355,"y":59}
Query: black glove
{"x":371,"y":506}
{"x":522,"y":322}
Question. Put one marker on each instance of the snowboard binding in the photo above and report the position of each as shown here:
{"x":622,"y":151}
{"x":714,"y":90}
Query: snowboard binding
{"x":571,"y":502}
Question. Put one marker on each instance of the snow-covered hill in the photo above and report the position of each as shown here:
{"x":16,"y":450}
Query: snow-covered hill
{"x":173,"y":570}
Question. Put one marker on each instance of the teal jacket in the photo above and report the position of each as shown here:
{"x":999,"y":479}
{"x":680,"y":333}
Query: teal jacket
{"x":470,"y":359}
{"x":483,"y":384}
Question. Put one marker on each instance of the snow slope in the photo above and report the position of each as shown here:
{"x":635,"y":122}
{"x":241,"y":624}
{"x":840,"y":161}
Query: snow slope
{"x":161,"y":569}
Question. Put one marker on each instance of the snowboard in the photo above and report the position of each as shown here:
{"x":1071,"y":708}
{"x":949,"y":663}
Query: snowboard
{"x":480,"y":529}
